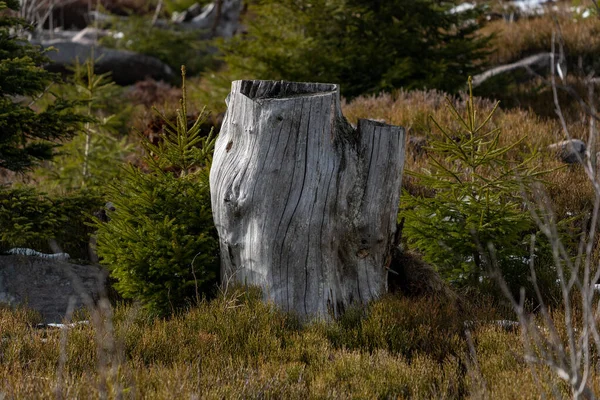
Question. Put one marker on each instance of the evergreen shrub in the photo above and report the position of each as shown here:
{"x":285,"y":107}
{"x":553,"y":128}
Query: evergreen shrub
{"x":29,"y":218}
{"x":479,"y":199}
{"x":94,"y":156}
{"x":365,"y":46}
{"x":28,"y":134}
{"x":160,"y":243}
{"x":171,"y":45}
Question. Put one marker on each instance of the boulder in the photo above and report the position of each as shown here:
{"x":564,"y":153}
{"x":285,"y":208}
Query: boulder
{"x":220,"y":20}
{"x":49,"y":286}
{"x":569,"y":151}
{"x":127,"y":67}
{"x":410,"y":275}
{"x":216,"y":19}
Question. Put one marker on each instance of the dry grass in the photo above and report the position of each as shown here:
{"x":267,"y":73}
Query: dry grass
{"x":516,"y":40}
{"x":513,"y":41}
{"x":238,"y":347}
{"x":568,"y":186}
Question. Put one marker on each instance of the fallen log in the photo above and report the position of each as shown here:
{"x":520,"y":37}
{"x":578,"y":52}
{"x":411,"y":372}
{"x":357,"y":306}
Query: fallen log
{"x":536,"y":62}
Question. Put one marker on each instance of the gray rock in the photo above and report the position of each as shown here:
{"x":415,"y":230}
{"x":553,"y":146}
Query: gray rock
{"x":51,"y":34}
{"x":229,"y":18}
{"x":569,"y":151}
{"x":53,"y":325}
{"x":203,"y":19}
{"x":127,"y":67}
{"x":48,"y":285}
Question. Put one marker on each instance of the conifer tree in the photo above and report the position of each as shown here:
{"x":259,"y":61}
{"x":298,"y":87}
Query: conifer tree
{"x":27,"y":135}
{"x":93,"y":157}
{"x":477,"y":201}
{"x":160,"y":243}
{"x":365,"y":46}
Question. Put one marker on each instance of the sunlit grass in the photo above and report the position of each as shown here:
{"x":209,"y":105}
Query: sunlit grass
{"x":237,"y":346}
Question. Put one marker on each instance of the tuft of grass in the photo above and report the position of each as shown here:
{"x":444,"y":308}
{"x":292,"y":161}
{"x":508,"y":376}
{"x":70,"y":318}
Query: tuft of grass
{"x":400,"y":326}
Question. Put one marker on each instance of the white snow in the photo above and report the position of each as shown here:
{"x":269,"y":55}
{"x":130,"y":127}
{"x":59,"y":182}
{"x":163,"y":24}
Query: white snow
{"x":529,"y":6}
{"x":462,"y":8}
{"x":63,"y":326}
{"x":67,"y":326}
{"x":23,"y":251}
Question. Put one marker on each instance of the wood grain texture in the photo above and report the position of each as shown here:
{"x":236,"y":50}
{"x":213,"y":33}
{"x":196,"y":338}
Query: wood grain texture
{"x":305,"y":205}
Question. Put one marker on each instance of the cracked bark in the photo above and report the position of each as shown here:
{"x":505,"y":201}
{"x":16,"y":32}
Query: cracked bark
{"x":305,"y":205}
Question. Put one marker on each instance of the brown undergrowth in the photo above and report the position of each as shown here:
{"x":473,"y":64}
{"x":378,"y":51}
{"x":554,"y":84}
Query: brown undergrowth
{"x":527,"y":36}
{"x":236,"y":346}
{"x":577,"y":42}
{"x":568,"y":186}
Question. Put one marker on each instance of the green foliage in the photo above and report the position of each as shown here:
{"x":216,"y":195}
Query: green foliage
{"x":94,"y":156}
{"x":365,"y":46}
{"x":477,"y":202}
{"x":29,"y":218}
{"x":160,"y":243}
{"x":172,"y":46}
{"x":26,"y":135}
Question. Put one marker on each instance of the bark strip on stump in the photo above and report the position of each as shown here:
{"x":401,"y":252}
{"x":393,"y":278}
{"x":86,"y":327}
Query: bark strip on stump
{"x":305,"y":205}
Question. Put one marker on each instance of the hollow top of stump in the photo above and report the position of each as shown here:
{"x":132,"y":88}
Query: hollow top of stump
{"x":257,"y":89}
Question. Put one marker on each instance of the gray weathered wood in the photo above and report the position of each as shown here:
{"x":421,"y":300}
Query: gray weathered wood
{"x":532,"y":63}
{"x":305,"y":205}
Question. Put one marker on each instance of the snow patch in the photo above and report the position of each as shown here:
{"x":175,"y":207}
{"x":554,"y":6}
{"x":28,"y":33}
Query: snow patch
{"x":23,"y":251}
{"x":462,"y":8}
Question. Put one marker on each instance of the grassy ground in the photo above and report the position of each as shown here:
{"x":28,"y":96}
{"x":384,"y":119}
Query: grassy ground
{"x":237,"y":347}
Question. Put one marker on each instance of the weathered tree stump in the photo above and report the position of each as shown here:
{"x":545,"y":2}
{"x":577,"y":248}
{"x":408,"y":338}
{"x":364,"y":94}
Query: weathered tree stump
{"x":305,"y":205}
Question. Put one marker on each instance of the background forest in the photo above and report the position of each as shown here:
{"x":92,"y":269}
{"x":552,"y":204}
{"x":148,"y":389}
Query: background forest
{"x":493,"y":291}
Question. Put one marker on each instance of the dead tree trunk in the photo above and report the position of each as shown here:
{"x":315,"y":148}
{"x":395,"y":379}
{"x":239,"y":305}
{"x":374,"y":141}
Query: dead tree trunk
{"x":305,"y":205}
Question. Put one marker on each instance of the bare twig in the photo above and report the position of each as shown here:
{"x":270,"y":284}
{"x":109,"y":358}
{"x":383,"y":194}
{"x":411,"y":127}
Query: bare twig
{"x":557,"y":108}
{"x":62,"y":359}
{"x":218,"y":11}
{"x":593,"y":139}
{"x":196,"y":279}
{"x":568,"y":356}
{"x":595,"y":2}
{"x":157,"y":11}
